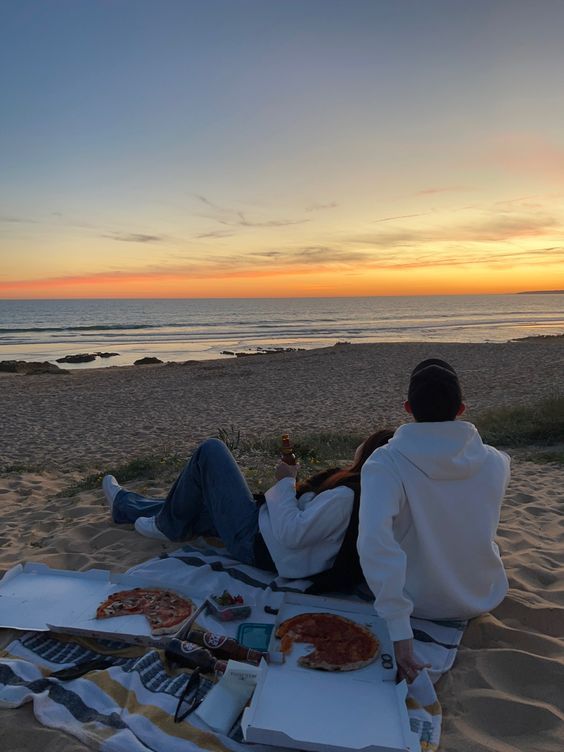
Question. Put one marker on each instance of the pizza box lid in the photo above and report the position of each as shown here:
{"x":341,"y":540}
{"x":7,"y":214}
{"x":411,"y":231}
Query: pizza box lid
{"x":34,"y":596}
{"x":304,"y":709}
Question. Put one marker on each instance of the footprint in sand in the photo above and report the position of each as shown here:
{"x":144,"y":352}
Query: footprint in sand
{"x":519,"y":672}
{"x":544,"y":619}
{"x":507,"y":716}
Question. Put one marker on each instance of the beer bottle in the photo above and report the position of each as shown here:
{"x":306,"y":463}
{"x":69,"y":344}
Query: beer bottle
{"x":287,"y":452}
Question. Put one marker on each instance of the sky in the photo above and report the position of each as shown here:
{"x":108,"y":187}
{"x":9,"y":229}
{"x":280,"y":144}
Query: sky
{"x":280,"y":148}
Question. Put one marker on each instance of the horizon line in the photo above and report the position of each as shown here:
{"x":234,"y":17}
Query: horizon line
{"x":297,"y":297}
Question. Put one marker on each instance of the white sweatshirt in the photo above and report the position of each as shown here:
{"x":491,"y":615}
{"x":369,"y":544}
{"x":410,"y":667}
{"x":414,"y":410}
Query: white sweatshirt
{"x":429,"y":510}
{"x":304,"y":535}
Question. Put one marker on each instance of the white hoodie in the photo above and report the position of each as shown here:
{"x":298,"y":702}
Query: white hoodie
{"x":304,"y":535}
{"x":429,"y":510}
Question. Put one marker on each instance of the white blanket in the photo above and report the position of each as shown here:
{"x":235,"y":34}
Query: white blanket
{"x":129,"y":707}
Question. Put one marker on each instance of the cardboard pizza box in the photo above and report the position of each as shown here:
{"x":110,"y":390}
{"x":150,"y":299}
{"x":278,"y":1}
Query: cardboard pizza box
{"x":34,"y":596}
{"x":300,"y":708}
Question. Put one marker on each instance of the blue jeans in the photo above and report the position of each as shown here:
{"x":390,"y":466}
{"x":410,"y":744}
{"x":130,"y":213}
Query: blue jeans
{"x":210,"y":496}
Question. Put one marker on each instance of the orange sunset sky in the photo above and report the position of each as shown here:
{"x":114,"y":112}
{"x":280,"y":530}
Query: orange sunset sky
{"x":252,"y":149}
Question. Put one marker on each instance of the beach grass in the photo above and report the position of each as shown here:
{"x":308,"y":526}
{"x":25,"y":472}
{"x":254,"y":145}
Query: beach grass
{"x":141,"y":468}
{"x":540,"y":424}
{"x":536,"y":429}
{"x":315,"y":451}
{"x":551,"y":456}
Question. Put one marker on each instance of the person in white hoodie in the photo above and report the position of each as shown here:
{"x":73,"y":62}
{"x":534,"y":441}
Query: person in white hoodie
{"x":429,"y":510}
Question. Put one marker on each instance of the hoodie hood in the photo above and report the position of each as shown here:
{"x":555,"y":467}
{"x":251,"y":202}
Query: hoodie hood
{"x":450,"y":450}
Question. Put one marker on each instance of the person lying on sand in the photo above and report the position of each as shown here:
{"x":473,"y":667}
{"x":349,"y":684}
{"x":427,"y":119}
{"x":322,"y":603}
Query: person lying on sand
{"x":429,"y":510}
{"x":301,"y":530}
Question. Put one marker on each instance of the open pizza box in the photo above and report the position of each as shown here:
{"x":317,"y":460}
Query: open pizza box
{"x":364,"y":709}
{"x":34,"y":597}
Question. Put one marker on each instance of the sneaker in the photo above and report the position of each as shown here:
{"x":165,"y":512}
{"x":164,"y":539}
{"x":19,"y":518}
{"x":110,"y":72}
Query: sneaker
{"x":148,"y":527}
{"x":111,"y":488}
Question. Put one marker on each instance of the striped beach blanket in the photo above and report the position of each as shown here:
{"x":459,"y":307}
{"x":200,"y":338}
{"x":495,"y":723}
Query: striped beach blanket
{"x":129,"y":706}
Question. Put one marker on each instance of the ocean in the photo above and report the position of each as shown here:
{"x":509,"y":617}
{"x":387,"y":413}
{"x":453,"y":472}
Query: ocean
{"x":200,"y":329}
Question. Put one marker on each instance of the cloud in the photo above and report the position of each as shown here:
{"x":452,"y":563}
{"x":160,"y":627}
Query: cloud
{"x":134,"y":237}
{"x":318,"y":256}
{"x":214,"y":234}
{"x":321,"y":207}
{"x":498,"y":227}
{"x":306,"y":260}
{"x":236,"y":218}
{"x":446,"y":189}
{"x":209,"y":203}
{"x":19,"y":220}
{"x":267,"y":263}
{"x":240,"y":220}
{"x":401,"y":216}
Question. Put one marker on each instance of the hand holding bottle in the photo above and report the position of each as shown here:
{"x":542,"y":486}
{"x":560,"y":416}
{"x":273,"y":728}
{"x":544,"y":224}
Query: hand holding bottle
{"x":287,"y":451}
{"x":287,"y":467}
{"x":284,"y":470}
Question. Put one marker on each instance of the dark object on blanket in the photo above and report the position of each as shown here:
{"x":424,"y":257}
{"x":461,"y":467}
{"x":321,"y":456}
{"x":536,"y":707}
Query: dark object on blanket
{"x":75,"y":672}
{"x":227,"y":648}
{"x":255,"y":636}
{"x":190,"y":698}
{"x":190,"y":655}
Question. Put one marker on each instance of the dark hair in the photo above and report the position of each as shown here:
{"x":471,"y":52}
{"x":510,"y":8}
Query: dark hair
{"x":434,"y":391}
{"x":348,"y":475}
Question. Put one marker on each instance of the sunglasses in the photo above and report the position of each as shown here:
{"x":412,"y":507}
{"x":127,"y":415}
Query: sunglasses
{"x":190,"y":698}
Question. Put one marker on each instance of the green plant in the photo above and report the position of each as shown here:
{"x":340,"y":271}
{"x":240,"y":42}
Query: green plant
{"x":15,"y":468}
{"x":541,"y":423}
{"x":551,"y":457}
{"x":231,"y":437}
{"x":147,"y":468}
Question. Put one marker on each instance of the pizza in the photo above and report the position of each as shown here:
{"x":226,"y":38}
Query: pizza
{"x":165,"y":610}
{"x":339,"y":643}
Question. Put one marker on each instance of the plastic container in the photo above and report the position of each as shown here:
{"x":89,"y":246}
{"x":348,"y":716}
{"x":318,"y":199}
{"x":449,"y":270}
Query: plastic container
{"x":229,"y":612}
{"x":255,"y":636}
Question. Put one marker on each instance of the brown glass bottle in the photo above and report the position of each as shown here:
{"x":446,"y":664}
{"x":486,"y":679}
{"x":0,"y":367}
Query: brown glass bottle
{"x":287,"y":452}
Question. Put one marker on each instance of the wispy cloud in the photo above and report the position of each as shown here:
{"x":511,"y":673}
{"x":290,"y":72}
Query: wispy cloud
{"x":318,"y":256}
{"x":321,"y":207}
{"x":211,"y":204}
{"x":496,"y":227}
{"x":19,"y":220}
{"x":304,"y":261}
{"x":490,"y":258}
{"x":237,"y":218}
{"x":214,"y":234}
{"x":267,"y":263}
{"x":401,"y":216}
{"x":240,"y":220}
{"x":444,"y":189}
{"x":134,"y":237}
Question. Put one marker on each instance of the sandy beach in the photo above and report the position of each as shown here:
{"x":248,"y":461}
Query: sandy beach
{"x":506,"y":690}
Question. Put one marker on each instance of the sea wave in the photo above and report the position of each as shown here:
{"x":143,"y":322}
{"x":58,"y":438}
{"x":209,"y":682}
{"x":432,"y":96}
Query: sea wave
{"x":49,"y":329}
